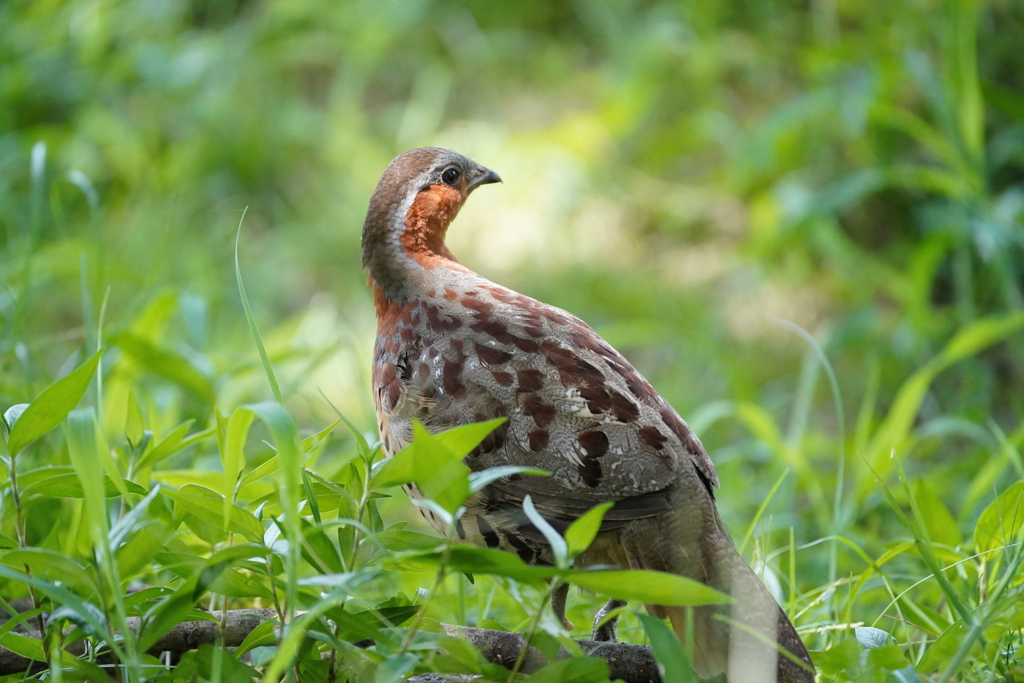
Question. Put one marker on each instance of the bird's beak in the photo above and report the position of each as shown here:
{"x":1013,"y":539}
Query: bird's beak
{"x":481,"y":176}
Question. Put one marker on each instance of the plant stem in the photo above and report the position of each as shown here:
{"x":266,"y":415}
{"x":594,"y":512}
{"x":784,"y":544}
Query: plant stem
{"x":534,"y":623}
{"x":20,"y":527}
{"x":438,"y":580}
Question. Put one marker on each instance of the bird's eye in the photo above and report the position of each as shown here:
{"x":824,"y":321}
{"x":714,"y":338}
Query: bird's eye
{"x":450,"y":176}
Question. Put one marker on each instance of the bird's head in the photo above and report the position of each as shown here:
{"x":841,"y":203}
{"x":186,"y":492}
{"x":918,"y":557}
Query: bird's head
{"x":416,"y":199}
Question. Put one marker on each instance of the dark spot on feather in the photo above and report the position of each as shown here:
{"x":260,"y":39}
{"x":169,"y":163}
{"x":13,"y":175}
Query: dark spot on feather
{"x":503,"y":379}
{"x":490,"y":537}
{"x":530,"y":380}
{"x":387,"y":373}
{"x":590,"y":472}
{"x":481,"y":308}
{"x":594,"y":442}
{"x":542,"y":413}
{"x":552,"y":314}
{"x":436,"y":323}
{"x":500,"y":333}
{"x":492,"y":356}
{"x":450,"y":379}
{"x":459,"y":528}
{"x":451,"y":294}
{"x":653,"y":437}
{"x":598,"y":400}
{"x":524,"y":345}
{"x":525,"y":552}
{"x":387,"y":443}
{"x":394,"y":394}
{"x":679,"y":428}
{"x":623,"y":409}
{"x":422,"y":371}
{"x":501,"y":294}
{"x":538,"y":439}
{"x":572,"y":370}
{"x":492,"y":328}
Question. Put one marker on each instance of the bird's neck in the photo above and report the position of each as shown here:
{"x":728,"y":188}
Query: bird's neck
{"x":407,"y":254}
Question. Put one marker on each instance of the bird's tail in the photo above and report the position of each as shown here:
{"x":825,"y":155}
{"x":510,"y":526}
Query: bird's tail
{"x":752,"y":639}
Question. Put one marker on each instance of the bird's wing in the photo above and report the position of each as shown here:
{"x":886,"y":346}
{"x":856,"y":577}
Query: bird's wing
{"x":574,"y":407}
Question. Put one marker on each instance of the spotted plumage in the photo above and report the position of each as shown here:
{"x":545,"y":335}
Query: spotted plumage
{"x":454,"y":348}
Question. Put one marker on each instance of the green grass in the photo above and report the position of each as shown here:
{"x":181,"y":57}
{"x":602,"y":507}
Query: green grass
{"x":802,"y":225}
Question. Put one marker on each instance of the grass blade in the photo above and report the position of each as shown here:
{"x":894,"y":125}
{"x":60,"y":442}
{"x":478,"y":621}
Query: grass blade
{"x":251,"y":319}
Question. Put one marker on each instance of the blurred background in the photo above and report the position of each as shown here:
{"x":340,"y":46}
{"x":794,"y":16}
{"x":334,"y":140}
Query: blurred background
{"x":693,"y":179}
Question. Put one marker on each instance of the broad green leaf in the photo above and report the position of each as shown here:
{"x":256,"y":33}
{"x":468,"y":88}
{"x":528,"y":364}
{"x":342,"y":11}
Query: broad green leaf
{"x":941,"y":526}
{"x":259,"y":636}
{"x":478,"y":481}
{"x":50,"y":408}
{"x":887,"y":656}
{"x":658,"y":588}
{"x":555,"y":541}
{"x":172,"y":443}
{"x":11,"y":416}
{"x":27,"y":479}
{"x":51,"y":566}
{"x":1001,"y":520}
{"x":460,"y":657}
{"x":310,"y":442}
{"x":125,"y":524}
{"x":468,"y":559}
{"x":319,"y":551}
{"x":22,"y":618}
{"x":434,"y":463}
{"x":944,"y":647}
{"x":838,"y":658}
{"x":871,"y":637}
{"x":397,"y":541}
{"x":140,"y":548}
{"x":261,"y":471}
{"x":668,"y":651}
{"x":134,"y":427}
{"x":345,"y":581}
{"x":209,"y":505}
{"x":31,"y":648}
{"x":211,"y":663}
{"x":7,"y":542}
{"x":88,"y":614}
{"x":70,"y":486}
{"x":232,"y":456}
{"x":582,"y":532}
{"x":83,"y":447}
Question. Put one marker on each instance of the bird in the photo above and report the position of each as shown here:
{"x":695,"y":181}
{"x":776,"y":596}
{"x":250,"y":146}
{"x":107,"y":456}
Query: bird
{"x":454,"y":348}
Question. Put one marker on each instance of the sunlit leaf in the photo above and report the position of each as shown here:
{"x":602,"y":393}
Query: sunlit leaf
{"x":582,"y":532}
{"x":50,"y":408}
{"x":647,"y":586}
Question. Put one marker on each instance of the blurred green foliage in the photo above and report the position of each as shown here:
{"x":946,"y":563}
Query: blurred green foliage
{"x":680,"y":175}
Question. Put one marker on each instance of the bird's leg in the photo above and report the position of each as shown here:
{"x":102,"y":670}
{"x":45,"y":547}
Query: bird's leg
{"x":558,"y":606}
{"x":606,"y":632}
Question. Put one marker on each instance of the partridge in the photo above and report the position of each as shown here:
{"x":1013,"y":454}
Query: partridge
{"x":453,"y":348}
